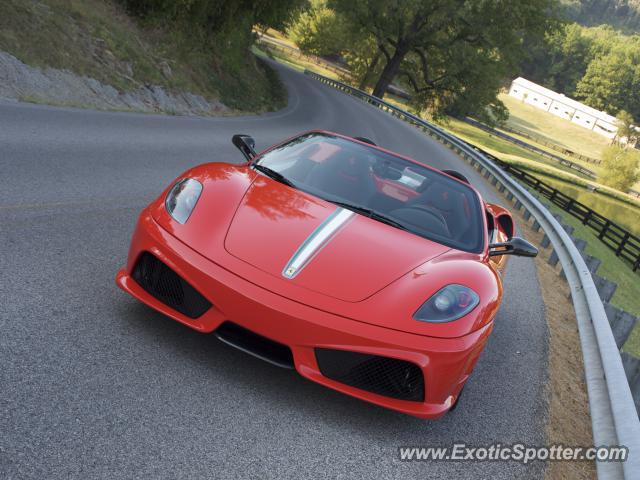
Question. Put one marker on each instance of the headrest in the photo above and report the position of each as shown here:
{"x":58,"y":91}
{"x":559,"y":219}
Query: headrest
{"x":442,"y":198}
{"x":354,"y":166}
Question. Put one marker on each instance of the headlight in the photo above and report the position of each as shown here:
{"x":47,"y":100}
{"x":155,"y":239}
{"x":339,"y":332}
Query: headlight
{"x":182,"y":198}
{"x":447,"y":304}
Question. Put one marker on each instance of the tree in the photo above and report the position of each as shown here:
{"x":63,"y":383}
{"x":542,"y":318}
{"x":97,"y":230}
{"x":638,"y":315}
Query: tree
{"x":419,"y":30}
{"x":215,"y":16}
{"x":570,"y":55}
{"x":626,"y":128}
{"x":620,"y":167}
{"x":322,"y":31}
{"x":599,"y":66}
{"x":623,"y":14}
{"x":612,"y":81}
{"x":219,"y":32}
{"x":319,"y":30}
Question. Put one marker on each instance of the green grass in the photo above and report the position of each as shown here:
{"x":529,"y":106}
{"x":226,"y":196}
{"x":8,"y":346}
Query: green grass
{"x":96,"y":38}
{"x":511,"y":153}
{"x":502,"y":148}
{"x":553,"y":129}
{"x":583,"y":163}
{"x":627,"y":295}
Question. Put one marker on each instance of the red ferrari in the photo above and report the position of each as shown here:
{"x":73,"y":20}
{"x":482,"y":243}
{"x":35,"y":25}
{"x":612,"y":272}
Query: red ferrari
{"x":366,"y":271}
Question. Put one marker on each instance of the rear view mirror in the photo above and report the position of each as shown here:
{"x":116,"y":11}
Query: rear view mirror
{"x":386,"y":171}
{"x":245,"y":144}
{"x":514,"y":246}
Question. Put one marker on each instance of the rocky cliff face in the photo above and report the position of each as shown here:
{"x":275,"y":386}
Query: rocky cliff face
{"x":19,"y":81}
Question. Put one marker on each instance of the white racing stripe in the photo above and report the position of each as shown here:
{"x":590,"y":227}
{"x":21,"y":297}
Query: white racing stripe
{"x":316,"y":241}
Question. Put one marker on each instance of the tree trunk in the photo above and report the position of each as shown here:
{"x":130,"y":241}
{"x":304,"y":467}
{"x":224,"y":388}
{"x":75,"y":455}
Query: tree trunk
{"x":370,"y":69}
{"x":389,"y":72}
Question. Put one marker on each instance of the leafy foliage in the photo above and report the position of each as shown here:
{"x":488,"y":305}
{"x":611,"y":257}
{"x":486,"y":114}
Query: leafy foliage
{"x":620,"y":167}
{"x":218,"y":15}
{"x":452,"y":54}
{"x":624,"y":14}
{"x":222,"y":31}
{"x":626,"y":128}
{"x":319,"y":30}
{"x":611,"y":80}
{"x":599,"y":66}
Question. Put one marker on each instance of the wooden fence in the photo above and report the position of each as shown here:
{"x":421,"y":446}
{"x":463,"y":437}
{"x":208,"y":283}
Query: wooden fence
{"x":625,"y":244}
{"x":532,"y":148}
{"x":296,"y":53}
{"x":552,"y":146}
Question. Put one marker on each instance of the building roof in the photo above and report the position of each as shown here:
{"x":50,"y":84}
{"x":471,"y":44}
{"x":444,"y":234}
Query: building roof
{"x":560,"y":98}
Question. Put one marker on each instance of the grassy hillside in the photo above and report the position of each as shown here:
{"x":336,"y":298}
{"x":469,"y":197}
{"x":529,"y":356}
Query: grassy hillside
{"x":538,"y":123}
{"x":96,"y":38}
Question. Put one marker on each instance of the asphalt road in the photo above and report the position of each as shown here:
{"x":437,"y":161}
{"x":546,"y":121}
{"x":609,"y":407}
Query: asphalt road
{"x":95,"y":385}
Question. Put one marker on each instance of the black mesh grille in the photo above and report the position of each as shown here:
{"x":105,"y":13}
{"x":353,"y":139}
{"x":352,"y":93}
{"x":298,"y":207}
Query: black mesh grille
{"x":168,"y":287}
{"x":385,"y":376}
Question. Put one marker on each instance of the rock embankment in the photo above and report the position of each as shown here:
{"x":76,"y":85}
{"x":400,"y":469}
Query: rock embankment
{"x":19,"y":81}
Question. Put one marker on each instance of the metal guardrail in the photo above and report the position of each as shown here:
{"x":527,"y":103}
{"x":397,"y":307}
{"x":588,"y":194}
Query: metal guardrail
{"x":613,"y":415}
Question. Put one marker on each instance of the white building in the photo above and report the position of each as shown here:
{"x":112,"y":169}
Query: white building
{"x":564,"y":107}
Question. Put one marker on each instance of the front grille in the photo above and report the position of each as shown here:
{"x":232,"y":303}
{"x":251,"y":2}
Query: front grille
{"x":254,"y":344}
{"x":382,"y":375}
{"x":161,"y":282}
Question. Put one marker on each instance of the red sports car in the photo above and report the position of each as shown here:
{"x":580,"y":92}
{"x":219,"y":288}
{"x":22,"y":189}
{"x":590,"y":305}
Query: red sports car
{"x":366,"y":271}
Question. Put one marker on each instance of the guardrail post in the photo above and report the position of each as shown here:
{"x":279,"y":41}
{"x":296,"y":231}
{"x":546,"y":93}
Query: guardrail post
{"x":624,"y":240}
{"x":579,"y":243}
{"x":632,"y":371}
{"x":592,"y":263}
{"x":622,"y":323}
{"x":606,"y":289}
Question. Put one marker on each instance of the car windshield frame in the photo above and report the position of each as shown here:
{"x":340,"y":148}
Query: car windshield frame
{"x":410,"y":175}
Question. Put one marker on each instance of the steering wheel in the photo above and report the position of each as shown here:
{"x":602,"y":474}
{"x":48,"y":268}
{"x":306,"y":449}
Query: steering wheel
{"x":433,"y":212}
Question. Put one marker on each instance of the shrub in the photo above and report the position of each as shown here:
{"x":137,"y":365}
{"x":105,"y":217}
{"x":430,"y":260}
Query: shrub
{"x":620,"y":167}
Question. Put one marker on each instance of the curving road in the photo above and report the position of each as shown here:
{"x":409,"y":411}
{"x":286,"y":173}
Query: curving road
{"x":95,"y":385}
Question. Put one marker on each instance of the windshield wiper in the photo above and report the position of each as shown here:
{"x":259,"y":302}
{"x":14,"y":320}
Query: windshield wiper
{"x":367,"y":212}
{"x":277,"y":176}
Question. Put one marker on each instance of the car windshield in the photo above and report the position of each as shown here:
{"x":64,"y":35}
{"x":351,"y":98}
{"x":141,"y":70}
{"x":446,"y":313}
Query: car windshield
{"x":385,"y":187}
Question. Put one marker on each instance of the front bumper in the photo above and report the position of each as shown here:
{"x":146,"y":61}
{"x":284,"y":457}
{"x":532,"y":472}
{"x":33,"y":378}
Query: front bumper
{"x":445,"y":363}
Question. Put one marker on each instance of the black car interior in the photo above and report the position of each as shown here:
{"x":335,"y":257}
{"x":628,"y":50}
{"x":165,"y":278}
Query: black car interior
{"x":442,"y":206}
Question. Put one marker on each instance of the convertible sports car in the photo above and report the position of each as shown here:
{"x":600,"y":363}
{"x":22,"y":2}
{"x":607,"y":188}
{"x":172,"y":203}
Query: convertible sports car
{"x":367,"y":272}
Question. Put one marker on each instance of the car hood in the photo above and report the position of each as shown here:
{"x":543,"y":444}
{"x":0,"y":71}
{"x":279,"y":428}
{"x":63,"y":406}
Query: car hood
{"x":315,"y":245}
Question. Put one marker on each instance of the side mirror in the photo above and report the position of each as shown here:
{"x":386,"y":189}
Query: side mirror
{"x":514,"y":246}
{"x":245,"y":144}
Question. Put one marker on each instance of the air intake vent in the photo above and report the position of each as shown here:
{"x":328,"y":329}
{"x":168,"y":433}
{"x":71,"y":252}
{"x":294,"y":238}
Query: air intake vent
{"x":382,"y":375}
{"x":256,"y":345}
{"x":160,"y":281}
